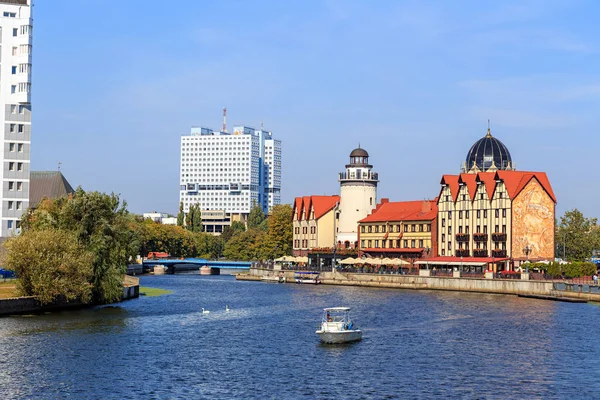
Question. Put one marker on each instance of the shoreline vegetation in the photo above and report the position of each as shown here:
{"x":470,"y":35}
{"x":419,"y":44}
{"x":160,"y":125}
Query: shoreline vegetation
{"x":153,"y":292}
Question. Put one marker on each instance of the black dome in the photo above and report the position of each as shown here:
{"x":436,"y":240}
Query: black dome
{"x":488,"y":151}
{"x":358,"y":152}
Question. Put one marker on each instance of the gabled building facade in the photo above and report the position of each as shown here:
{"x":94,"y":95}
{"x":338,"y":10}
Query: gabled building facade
{"x":314,"y":223}
{"x":404,"y":229}
{"x":496,"y":214}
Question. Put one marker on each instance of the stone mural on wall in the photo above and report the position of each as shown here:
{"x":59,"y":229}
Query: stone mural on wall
{"x":533,"y":222}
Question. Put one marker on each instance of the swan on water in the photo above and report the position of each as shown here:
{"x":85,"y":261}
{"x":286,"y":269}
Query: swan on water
{"x":205,"y":311}
{"x":226,"y":308}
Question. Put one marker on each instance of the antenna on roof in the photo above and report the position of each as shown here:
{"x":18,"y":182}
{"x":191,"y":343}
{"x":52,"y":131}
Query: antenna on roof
{"x":59,"y":163}
{"x":224,"y":129}
{"x":261,"y":125}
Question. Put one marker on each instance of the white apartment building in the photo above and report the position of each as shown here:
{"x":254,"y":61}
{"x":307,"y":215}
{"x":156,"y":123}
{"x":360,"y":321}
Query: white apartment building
{"x":16,"y":26}
{"x":229,"y":173}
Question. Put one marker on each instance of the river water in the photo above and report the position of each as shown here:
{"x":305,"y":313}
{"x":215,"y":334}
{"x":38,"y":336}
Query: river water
{"x":416,"y":344}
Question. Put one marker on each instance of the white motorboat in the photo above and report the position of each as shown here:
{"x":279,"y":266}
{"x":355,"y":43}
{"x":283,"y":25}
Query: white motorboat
{"x":309,"y":277}
{"x":337,"y":327}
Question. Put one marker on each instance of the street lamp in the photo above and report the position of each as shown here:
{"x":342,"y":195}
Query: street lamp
{"x":527,"y":251}
{"x":461,"y":267}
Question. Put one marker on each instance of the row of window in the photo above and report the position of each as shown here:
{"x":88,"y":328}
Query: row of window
{"x":478,"y":214}
{"x":13,"y":204}
{"x":297,"y":244}
{"x":24,"y":87}
{"x":18,"y":147}
{"x":313,"y":230}
{"x":11,"y":223}
{"x":21,"y":69}
{"x":13,"y":184}
{"x":11,"y":166}
{"x":16,"y":128}
{"x":14,"y":108}
{"x":482,"y":196}
{"x":391,"y":244}
{"x":477,"y":229}
{"x":398,"y":228}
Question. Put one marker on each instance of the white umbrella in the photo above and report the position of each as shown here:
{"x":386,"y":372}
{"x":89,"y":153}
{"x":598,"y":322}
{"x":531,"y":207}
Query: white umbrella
{"x":373,"y":261}
{"x":399,"y":261}
{"x":387,"y":261}
{"x":348,"y":261}
{"x":303,"y":259}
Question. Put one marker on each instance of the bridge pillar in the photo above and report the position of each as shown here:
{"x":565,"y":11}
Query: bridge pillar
{"x":206,"y":270}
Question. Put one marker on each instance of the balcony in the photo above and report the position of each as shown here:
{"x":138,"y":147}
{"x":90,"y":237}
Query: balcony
{"x":463,"y":253}
{"x":462,"y":237}
{"x":480,"y":253}
{"x":499,"y":237}
{"x":499,"y":253}
{"x":480,"y":237}
{"x":364,"y":176}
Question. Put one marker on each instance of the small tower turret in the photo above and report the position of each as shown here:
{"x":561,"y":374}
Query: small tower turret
{"x":358,"y":196}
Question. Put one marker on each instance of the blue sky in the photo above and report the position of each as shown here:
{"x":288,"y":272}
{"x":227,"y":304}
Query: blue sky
{"x":115,"y":84}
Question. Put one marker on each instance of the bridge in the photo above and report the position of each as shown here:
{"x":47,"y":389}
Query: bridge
{"x":193,"y":264}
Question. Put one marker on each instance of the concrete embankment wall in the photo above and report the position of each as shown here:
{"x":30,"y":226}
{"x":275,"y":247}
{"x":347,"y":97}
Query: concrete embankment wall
{"x":499,"y":286}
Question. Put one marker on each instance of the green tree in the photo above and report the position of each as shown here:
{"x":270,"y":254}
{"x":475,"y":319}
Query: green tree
{"x":100,"y":224}
{"x":252,"y":244}
{"x":280,"y":230}
{"x":180,"y":215}
{"x":51,"y":265}
{"x":577,"y":236}
{"x":197,"y":222}
{"x":256,"y":217}
{"x":231,"y":230}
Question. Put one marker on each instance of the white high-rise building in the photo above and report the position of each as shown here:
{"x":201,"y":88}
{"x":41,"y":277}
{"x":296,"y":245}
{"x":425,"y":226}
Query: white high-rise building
{"x":227,"y":173}
{"x":15,"y":95}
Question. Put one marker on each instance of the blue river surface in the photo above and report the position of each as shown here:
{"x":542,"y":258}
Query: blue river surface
{"x":416,"y":344}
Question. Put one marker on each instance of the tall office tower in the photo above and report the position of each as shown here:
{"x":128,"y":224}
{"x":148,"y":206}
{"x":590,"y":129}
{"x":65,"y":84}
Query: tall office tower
{"x":227,"y":173}
{"x":15,"y":95}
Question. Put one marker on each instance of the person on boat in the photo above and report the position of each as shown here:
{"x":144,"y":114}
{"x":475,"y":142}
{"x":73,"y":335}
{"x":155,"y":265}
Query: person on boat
{"x":329,"y":318}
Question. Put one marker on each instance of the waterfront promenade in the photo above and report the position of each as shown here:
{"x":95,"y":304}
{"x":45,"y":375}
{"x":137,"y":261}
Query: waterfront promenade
{"x":552,"y":289}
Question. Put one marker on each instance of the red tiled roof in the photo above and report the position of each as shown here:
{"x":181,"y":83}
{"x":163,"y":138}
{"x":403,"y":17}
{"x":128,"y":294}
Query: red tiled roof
{"x":323,"y":204}
{"x":320,"y":205}
{"x":452,"y":182}
{"x":471,"y":181}
{"x":488,"y":179}
{"x":515,"y":181}
{"x":420,"y":210}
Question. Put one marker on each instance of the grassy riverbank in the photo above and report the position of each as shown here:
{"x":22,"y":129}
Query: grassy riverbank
{"x":7,"y":290}
{"x":153,"y":292}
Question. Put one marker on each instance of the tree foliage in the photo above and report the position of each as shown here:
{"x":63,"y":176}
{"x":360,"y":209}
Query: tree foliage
{"x":175,"y":240}
{"x":193,"y":219}
{"x":577,"y":236}
{"x":280,"y":230}
{"x":252,"y":244}
{"x":98,"y":221}
{"x":180,"y":215}
{"x":50,"y":264}
{"x":231,"y":230}
{"x":256,"y":217}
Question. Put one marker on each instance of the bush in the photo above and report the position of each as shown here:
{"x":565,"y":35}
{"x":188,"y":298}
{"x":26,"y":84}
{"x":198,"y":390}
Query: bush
{"x":50,"y":264}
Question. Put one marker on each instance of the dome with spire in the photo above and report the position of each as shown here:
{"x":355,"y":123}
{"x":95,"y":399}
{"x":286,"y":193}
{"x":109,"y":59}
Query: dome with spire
{"x":359,"y":157}
{"x":488,"y":154}
{"x":358,"y":152}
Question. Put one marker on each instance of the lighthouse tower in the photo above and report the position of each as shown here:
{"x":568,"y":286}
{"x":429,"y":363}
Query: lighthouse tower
{"x":358,"y":196}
